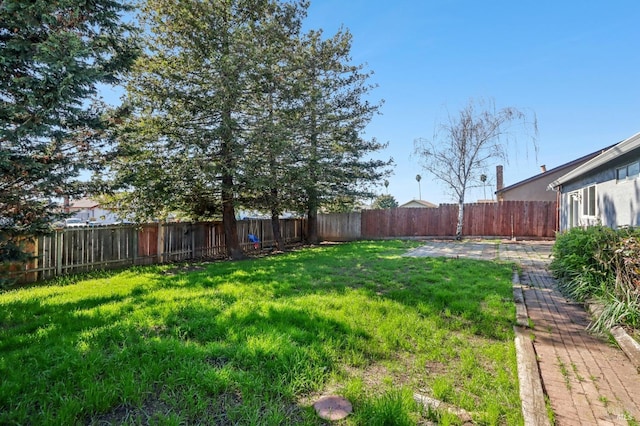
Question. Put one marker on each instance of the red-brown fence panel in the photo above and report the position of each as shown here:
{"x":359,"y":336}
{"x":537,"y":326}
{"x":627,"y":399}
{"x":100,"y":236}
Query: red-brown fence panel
{"x":533,"y":219}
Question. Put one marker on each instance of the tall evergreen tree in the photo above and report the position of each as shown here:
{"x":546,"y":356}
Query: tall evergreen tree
{"x":334,"y":161}
{"x":53,"y":55}
{"x":268,"y":180}
{"x":191,"y":95}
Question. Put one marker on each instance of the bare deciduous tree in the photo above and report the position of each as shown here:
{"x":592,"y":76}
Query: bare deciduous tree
{"x":467,"y":144}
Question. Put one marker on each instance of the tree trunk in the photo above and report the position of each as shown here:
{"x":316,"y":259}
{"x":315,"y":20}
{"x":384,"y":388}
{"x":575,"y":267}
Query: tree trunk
{"x":232,"y":242}
{"x":312,"y":220}
{"x":277,"y":235}
{"x":228,"y":157}
{"x":312,"y":206}
{"x":275,"y":216}
{"x":460,"y":219}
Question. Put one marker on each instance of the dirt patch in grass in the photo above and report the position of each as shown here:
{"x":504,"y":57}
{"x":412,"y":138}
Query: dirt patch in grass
{"x":155,"y":409}
{"x":373,"y":376}
{"x":403,"y":371}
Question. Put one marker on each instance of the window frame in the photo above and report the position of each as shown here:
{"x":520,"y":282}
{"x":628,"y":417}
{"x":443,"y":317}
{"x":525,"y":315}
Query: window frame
{"x":575,"y":208}
{"x":624,"y":170}
{"x":589,"y":201}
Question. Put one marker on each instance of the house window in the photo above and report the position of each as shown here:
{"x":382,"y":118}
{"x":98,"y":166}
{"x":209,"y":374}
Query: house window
{"x":574,"y":209}
{"x":589,"y":201}
{"x":629,"y":171}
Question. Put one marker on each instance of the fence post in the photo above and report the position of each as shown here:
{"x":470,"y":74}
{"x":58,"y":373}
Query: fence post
{"x":36,"y":261}
{"x":134,"y":249}
{"x":160,"y":243}
{"x":59,"y":239}
{"x":193,"y":241}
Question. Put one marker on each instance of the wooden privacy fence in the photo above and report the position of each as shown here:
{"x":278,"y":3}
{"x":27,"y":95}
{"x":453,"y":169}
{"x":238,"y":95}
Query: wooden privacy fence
{"x":524,"y":219}
{"x":73,"y":250}
{"x":340,"y":226}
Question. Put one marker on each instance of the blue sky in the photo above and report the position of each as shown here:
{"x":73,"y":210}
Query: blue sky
{"x":575,"y":64}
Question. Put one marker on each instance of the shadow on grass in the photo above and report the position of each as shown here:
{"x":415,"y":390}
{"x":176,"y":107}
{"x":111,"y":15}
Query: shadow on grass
{"x":36,"y":321}
{"x":101,"y":356}
{"x":467,"y":294}
{"x":471,"y":294}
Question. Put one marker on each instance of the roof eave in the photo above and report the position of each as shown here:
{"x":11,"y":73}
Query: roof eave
{"x":623,"y":147}
{"x":572,"y":163}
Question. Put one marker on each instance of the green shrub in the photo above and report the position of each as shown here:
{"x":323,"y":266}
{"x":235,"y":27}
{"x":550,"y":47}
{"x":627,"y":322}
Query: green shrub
{"x":622,"y":301}
{"x":602,"y":265}
{"x":580,"y":261}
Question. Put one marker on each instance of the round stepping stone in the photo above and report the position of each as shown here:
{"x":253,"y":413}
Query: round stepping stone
{"x":333,"y":407}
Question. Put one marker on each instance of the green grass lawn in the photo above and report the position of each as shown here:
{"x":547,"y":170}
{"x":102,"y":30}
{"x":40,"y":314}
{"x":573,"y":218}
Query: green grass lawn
{"x":258,"y":341}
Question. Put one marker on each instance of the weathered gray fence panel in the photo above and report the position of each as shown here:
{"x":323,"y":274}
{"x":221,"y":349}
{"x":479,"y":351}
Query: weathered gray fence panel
{"x":74,"y":250}
{"x":340,"y":226}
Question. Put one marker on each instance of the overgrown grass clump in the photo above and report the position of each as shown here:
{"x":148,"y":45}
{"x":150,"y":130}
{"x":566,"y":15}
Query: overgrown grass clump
{"x":258,"y":341}
{"x":601,"y":265}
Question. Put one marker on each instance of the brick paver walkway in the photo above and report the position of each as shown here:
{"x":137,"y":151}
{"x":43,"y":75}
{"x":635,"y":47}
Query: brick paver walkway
{"x":588,"y":380}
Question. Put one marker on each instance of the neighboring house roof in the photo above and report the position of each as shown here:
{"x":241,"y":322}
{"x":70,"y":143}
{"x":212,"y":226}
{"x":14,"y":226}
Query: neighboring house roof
{"x":83,"y":203}
{"x":418,"y":203}
{"x":573,"y":163}
{"x":611,"y":153}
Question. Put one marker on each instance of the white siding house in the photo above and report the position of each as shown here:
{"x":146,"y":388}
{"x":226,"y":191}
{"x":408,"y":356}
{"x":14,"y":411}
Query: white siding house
{"x":90,"y":211}
{"x":604,"y":190}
